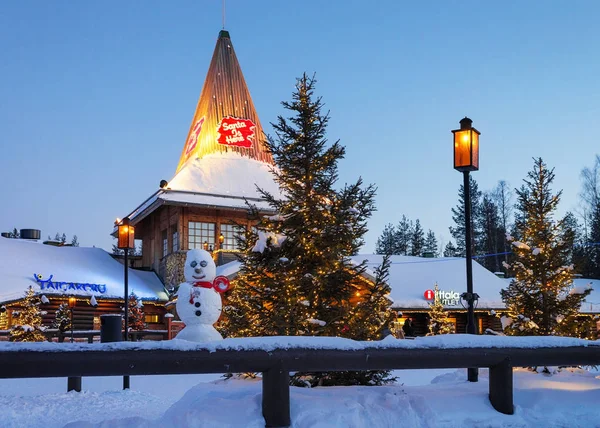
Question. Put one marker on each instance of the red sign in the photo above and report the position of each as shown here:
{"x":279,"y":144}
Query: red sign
{"x":235,"y":132}
{"x":429,"y":295}
{"x":190,"y":145}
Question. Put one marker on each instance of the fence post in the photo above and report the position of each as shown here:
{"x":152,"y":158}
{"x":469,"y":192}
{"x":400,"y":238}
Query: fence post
{"x":276,"y":397}
{"x":501,"y":387}
{"x":74,"y":384}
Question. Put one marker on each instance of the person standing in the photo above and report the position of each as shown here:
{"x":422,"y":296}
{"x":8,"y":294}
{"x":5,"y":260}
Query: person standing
{"x":408,"y":329}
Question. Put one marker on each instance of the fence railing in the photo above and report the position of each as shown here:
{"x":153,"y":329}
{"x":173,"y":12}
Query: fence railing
{"x":91,"y":335}
{"x":275,"y":364}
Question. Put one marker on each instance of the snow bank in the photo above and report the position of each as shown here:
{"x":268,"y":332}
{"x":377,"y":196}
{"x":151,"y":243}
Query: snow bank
{"x":449,"y":341}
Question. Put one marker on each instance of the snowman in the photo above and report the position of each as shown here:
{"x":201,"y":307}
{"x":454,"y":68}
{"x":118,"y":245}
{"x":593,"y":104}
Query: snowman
{"x":199,"y":299}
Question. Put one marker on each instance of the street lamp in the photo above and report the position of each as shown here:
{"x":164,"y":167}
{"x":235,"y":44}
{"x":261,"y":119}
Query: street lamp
{"x":72,"y":303}
{"x":466,"y":159}
{"x":126,"y":238}
{"x":221,"y":240}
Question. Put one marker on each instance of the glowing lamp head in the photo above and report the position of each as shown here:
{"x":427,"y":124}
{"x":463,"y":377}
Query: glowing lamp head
{"x":126,"y":235}
{"x":466,"y":146}
{"x":221,"y":238}
{"x":72,"y":302}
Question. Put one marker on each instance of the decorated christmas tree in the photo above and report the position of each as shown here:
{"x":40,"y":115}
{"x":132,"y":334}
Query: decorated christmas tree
{"x":27,"y":325}
{"x":439,"y":323}
{"x":296,"y":276}
{"x":136,"y":320}
{"x":62,"y":318}
{"x":541,"y":300}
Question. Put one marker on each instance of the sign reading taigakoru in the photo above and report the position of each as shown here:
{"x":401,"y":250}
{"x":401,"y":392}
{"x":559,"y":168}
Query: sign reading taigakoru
{"x":48,"y":284}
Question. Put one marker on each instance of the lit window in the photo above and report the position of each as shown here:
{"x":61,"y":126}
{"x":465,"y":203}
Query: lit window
{"x":175,"y":235}
{"x":229,"y":232}
{"x":165,"y":243}
{"x":152,"y":318}
{"x":199,"y":233}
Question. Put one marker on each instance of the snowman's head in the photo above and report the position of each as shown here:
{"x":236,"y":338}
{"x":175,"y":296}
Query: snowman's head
{"x":199,"y":266}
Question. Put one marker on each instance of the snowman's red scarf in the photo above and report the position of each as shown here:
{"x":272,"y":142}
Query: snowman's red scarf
{"x":221,"y":284}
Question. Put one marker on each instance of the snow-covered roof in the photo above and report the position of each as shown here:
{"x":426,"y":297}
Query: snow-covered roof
{"x":79,"y":271}
{"x":220,"y":180}
{"x":410,"y":277}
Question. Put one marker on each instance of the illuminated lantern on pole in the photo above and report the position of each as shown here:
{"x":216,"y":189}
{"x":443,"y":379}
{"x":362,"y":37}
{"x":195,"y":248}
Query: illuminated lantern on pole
{"x":466,"y":159}
{"x":126,"y":238}
{"x":466,"y":147}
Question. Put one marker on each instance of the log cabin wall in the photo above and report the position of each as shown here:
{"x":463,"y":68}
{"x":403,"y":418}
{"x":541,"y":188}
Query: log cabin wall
{"x":86,"y":317}
{"x":168,"y":219}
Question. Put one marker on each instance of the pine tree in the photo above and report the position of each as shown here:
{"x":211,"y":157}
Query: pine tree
{"x":458,"y":215}
{"x":116,"y":250}
{"x":28,"y":321}
{"x":431,"y":244}
{"x":439,"y":323}
{"x":296,"y":277}
{"x":417,"y":241}
{"x":450,"y":250}
{"x":593,"y":245}
{"x":74,"y":241}
{"x":14,"y":234}
{"x":136,"y":320}
{"x":403,"y":237}
{"x":385,"y":243}
{"x":492,"y":234}
{"x":540,"y":300}
{"x":62,"y":318}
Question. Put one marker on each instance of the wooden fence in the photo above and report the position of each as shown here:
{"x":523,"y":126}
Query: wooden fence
{"x":275,"y":365}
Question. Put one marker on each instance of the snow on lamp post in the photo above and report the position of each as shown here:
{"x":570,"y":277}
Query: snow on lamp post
{"x":72,"y":303}
{"x":466,"y":159}
{"x":126,"y":238}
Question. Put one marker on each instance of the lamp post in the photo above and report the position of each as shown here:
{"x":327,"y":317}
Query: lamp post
{"x":126,"y":238}
{"x":72,"y":303}
{"x":221,"y":240}
{"x":466,"y":159}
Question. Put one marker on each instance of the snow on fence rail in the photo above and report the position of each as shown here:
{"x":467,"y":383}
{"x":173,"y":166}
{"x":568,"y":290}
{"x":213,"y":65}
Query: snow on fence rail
{"x":275,"y":357}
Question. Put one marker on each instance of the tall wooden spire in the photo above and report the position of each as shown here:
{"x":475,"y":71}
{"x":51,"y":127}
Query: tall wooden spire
{"x":225,"y":118}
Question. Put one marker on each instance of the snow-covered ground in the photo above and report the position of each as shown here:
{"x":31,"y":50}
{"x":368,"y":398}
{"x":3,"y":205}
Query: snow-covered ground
{"x":421,"y":398}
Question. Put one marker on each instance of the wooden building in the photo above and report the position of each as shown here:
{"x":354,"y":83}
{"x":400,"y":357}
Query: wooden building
{"x":223,"y":160}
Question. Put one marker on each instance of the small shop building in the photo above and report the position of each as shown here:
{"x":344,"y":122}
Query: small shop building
{"x":58,"y":273}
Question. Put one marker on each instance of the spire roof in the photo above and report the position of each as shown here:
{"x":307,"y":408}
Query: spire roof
{"x":225,"y":119}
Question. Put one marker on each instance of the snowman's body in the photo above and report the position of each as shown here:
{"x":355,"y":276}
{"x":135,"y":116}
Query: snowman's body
{"x":198,"y":303}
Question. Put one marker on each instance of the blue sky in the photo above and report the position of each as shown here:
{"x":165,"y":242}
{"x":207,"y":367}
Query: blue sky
{"x":87,"y":85}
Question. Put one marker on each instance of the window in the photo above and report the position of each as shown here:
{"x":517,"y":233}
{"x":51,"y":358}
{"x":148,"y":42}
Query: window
{"x":199,"y":233}
{"x":229,"y":232}
{"x":152,"y":318}
{"x":165,"y":243}
{"x":175,"y":235}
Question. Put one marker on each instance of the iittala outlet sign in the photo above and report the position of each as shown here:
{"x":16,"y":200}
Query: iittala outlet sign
{"x":447,"y":298}
{"x":235,"y":132}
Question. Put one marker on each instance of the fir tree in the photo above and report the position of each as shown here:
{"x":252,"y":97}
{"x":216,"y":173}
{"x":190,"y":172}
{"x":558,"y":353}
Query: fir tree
{"x":116,"y":250}
{"x":62,"y":318}
{"x":458,"y":215}
{"x":403,"y":237}
{"x":492,"y":234}
{"x":417,"y":242}
{"x":74,"y":241}
{"x":296,"y":277}
{"x":593,"y":245}
{"x":136,"y":320}
{"x":385,"y":243}
{"x":540,"y":300}
{"x":450,"y":250}
{"x":439,"y":323}
{"x":27,"y":326}
{"x":431,"y":244}
{"x":14,"y":234}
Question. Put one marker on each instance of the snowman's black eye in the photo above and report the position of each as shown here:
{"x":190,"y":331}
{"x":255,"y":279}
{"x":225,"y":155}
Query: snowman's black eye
{"x":194,"y":263}
{"x":203,"y":263}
